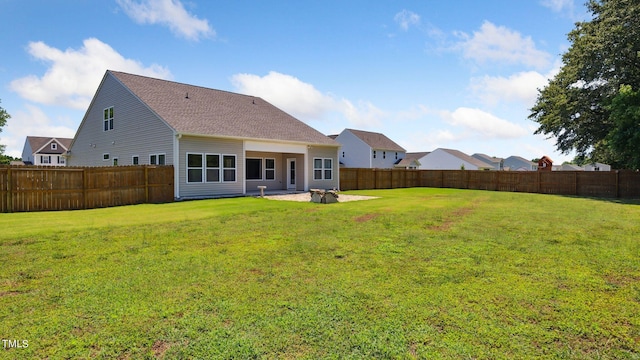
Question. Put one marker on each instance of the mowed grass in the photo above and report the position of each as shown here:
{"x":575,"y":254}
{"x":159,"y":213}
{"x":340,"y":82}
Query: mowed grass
{"x":417,"y":273}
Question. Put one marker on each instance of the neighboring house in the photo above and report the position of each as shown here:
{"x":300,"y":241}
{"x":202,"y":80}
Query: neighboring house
{"x":517,"y":163}
{"x":597,"y":167}
{"x":364,"y":149}
{"x":412,"y":160}
{"x":45,"y":151}
{"x":448,"y":159}
{"x":568,"y":167}
{"x":496,"y":162}
{"x":219,"y":143}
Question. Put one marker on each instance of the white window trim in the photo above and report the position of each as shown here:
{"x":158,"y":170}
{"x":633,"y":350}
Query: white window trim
{"x":106,"y":157}
{"x":157,"y":155}
{"x":265,"y":169}
{"x":133,"y":157}
{"x":203,"y":168}
{"x":54,"y":146}
{"x":204,"y":174}
{"x":322,"y":168}
{"x":108,"y":121}
{"x":187,"y":168}
{"x":235,"y":169}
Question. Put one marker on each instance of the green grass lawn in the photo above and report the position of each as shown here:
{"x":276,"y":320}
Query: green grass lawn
{"x":417,"y":273}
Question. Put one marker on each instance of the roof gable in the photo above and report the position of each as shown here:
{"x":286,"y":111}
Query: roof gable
{"x":415,"y":155}
{"x":471,"y":160}
{"x":195,"y":110}
{"x":519,"y":159}
{"x":376,"y":140}
{"x":486,"y":158}
{"x":38,"y":144}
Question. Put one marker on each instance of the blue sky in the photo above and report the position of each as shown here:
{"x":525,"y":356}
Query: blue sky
{"x":458,"y":74}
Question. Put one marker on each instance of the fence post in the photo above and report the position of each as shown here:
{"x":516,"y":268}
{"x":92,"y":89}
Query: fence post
{"x":617,"y":184}
{"x":9,"y":191}
{"x":84,"y":188}
{"x":146,"y":184}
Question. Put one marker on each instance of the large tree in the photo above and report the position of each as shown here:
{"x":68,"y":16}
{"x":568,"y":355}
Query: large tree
{"x":4,"y":116}
{"x":583,"y":106}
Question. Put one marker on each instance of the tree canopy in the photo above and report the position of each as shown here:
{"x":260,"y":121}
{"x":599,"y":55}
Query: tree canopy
{"x":592,"y":105}
{"x":4,"y":116}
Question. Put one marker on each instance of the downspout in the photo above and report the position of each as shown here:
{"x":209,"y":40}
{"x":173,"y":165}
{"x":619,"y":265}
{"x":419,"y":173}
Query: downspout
{"x":305,"y":168}
{"x":176,"y":165}
{"x":244,"y":168}
{"x":338,"y":167}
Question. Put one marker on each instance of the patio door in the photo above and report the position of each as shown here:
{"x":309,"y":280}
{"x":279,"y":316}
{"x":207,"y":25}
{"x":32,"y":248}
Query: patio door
{"x":291,"y":174}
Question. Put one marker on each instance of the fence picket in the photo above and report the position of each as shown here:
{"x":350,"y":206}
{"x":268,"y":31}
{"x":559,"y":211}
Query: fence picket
{"x":609,"y":184}
{"x":32,"y":188}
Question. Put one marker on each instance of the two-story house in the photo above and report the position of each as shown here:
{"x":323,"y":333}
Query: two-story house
{"x":219,"y":143}
{"x":518,"y":163}
{"x":365,"y":149}
{"x":45,"y":151}
{"x":450,"y":159}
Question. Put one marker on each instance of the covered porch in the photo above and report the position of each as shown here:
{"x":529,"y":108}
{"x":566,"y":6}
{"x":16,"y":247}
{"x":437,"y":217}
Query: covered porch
{"x":277,"y":168}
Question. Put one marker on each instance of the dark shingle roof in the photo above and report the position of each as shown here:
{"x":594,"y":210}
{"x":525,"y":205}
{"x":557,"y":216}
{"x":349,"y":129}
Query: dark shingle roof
{"x":36,"y":142}
{"x":196,"y":110}
{"x":377,"y":140}
{"x":416,"y":155}
{"x":471,"y":160}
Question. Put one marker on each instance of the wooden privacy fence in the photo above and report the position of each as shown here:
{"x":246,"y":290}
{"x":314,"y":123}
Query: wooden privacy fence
{"x":610,"y":184}
{"x":29,"y":188}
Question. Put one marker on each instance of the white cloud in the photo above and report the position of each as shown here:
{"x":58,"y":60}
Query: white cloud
{"x":522,"y":87}
{"x":483,"y":124}
{"x":170,"y":13}
{"x":74,"y":75}
{"x":406,"y":18}
{"x":418,"y":141}
{"x":364,"y":115}
{"x":303,"y":100}
{"x":33,"y":121}
{"x":559,"y":5}
{"x":499,"y":44}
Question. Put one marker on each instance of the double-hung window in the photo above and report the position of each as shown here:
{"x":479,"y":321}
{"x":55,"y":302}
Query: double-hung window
{"x":213,"y":168}
{"x":207,"y":168}
{"x":322,"y":169}
{"x":229,"y":168}
{"x":269,"y":169}
{"x":194,"y":168}
{"x":108,"y":119}
{"x":157,"y":159}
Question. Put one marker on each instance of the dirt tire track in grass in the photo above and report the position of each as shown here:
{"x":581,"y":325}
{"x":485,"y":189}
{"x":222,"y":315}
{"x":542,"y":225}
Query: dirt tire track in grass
{"x":159,"y":348}
{"x":455,"y":217}
{"x":365,"y":218}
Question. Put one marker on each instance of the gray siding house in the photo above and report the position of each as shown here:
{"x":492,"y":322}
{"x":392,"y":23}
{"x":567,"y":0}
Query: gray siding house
{"x":220,"y":143}
{"x":496,"y":162}
{"x":364,"y":149}
{"x":45,"y":151}
{"x":450,"y":159}
{"x":517,"y":163}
